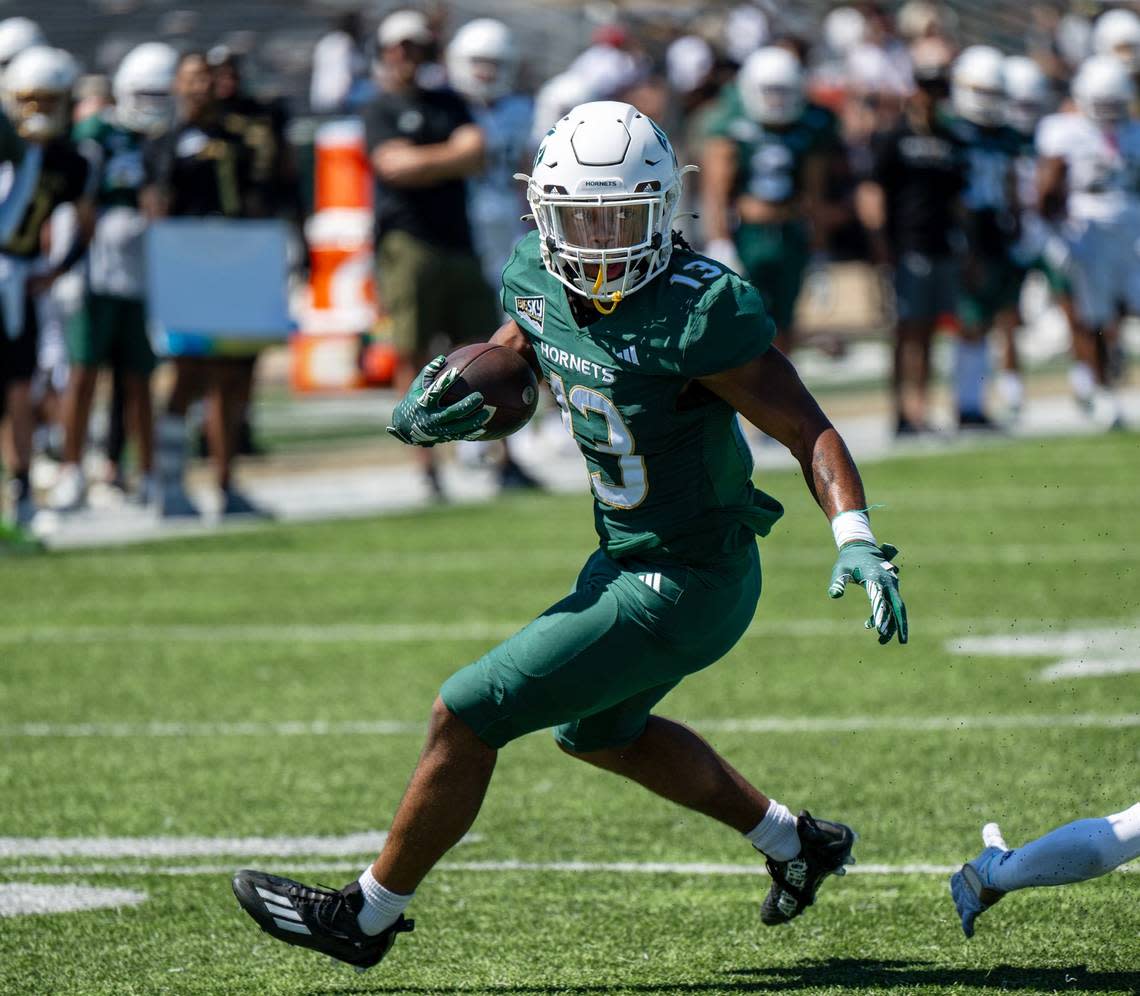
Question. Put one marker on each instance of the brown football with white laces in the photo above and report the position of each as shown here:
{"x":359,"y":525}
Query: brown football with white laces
{"x":504,"y":378}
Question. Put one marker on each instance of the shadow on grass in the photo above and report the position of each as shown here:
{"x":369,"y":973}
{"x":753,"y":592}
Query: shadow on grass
{"x":843,"y":974}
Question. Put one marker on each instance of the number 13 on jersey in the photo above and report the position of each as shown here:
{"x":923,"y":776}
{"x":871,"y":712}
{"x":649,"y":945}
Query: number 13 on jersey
{"x":628,"y":487}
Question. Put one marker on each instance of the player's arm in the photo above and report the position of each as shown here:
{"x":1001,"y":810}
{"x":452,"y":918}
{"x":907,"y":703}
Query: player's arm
{"x":769,"y":393}
{"x":718,"y":179}
{"x":510,"y":335}
{"x":399,"y":163}
{"x":1051,"y":181}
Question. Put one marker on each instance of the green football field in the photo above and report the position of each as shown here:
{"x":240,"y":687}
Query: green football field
{"x":174,"y":712}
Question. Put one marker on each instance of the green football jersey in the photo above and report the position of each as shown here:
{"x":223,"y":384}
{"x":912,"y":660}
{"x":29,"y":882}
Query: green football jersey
{"x":669,"y":467}
{"x":116,"y":153}
{"x":770,"y":159}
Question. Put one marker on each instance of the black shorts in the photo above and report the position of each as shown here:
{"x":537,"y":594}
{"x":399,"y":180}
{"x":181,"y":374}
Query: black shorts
{"x":19,"y":357}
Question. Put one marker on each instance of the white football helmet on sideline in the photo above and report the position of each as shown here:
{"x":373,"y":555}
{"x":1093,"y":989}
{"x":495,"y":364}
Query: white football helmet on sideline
{"x":17,"y":34}
{"x":1027,"y":93}
{"x":37,"y":92}
{"x":605,"y":187}
{"x":483,"y":60}
{"x":1117,"y":32}
{"x":142,"y":83}
{"x":1103,"y":90}
{"x":977,"y":88}
{"x":771,"y":84}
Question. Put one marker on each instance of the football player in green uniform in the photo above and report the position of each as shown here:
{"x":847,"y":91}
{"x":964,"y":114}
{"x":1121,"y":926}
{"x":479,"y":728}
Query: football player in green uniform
{"x":651,"y":350}
{"x":111,"y":325}
{"x":991,"y":279}
{"x":765,"y":173}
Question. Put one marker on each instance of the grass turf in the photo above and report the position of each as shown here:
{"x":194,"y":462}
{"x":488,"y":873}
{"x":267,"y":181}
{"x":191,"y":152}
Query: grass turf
{"x":363,"y":620}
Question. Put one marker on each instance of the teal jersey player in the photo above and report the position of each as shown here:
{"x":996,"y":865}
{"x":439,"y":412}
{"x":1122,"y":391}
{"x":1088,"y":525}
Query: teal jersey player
{"x":767,"y":154}
{"x":669,"y":469}
{"x":651,"y":350}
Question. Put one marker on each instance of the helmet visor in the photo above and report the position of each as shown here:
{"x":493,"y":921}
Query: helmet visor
{"x":594,"y":227}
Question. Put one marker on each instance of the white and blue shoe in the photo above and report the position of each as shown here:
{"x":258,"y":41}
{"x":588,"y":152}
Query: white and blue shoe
{"x":970,"y":886}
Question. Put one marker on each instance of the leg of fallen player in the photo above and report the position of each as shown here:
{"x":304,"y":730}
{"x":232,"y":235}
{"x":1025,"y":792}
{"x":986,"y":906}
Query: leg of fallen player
{"x":674,"y":762}
{"x":440,"y":803}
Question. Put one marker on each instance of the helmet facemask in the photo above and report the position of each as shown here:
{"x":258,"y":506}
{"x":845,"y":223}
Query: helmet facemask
{"x":605,"y":248}
{"x":605,"y":189}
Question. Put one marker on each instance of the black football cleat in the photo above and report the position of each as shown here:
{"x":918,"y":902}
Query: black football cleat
{"x":825,"y":849}
{"x":315,"y":917}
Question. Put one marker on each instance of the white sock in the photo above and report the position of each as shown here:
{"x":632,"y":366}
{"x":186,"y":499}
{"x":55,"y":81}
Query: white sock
{"x":1012,"y":389}
{"x":970,"y":375}
{"x":775,"y":835}
{"x":1082,"y":381}
{"x":381,"y":906}
{"x":1077,"y":851}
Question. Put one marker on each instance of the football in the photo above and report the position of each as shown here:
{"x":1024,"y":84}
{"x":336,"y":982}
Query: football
{"x":504,"y":378}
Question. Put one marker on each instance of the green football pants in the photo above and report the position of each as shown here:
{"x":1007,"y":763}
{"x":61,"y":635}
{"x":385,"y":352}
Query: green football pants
{"x":595,"y":664}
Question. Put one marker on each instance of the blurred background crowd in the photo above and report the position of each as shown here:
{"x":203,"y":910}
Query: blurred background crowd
{"x":878,"y":170}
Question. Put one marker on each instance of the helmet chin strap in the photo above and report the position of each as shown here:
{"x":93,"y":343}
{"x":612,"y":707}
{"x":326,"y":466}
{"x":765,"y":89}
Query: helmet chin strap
{"x":615,"y":297}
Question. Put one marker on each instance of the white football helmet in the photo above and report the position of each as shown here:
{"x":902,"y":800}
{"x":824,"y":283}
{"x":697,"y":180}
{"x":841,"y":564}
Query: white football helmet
{"x":142,"y":83}
{"x":1117,"y":32}
{"x":977,"y":88}
{"x":1103,"y":90}
{"x":843,"y":29}
{"x":17,"y":34}
{"x":37,"y":92}
{"x":1027,"y":93}
{"x":604,"y":190}
{"x":483,"y":60}
{"x":771,"y":84}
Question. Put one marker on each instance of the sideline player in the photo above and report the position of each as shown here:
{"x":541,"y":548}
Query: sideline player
{"x":991,"y":282}
{"x":111,"y":325}
{"x":37,"y":97}
{"x":651,"y":350}
{"x":1083,"y":181}
{"x":765,"y":163}
{"x":1076,"y":852}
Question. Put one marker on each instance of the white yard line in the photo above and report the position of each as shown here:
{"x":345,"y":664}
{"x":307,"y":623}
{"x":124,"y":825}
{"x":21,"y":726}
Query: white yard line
{"x":22,"y":898}
{"x":699,"y":868}
{"x":754,"y":724}
{"x":1081,"y":668}
{"x":1083,"y":652}
{"x":365,"y":843}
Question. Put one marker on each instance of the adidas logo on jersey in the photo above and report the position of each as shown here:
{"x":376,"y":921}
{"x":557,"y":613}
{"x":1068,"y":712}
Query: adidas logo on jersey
{"x":629,"y":355}
{"x":652,"y":580}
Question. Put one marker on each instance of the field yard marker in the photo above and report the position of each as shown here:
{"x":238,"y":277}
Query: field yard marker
{"x":560,"y":867}
{"x":365,"y":843}
{"x":754,"y":724}
{"x":20,"y":898}
{"x":1084,"y":652}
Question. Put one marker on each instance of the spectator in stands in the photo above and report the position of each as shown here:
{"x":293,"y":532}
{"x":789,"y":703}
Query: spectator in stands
{"x":423,"y":144}
{"x":37,"y":96}
{"x":199,"y":168}
{"x":910,"y":207}
{"x":340,"y":80}
{"x":110,"y":327}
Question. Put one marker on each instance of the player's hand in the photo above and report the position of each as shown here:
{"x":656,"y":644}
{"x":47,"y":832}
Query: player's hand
{"x":871,"y":566}
{"x":419,"y":421}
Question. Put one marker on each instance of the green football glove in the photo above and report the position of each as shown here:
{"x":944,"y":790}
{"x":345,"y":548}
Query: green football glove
{"x":871,"y":566}
{"x":419,"y":421}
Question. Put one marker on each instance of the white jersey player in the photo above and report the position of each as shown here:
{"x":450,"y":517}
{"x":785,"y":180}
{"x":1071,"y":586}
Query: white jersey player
{"x":482,"y":65}
{"x":1091,"y":159}
{"x":1076,"y":852}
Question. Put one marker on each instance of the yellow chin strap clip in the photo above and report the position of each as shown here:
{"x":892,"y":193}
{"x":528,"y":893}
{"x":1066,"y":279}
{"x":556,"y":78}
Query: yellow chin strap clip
{"x":615,"y":297}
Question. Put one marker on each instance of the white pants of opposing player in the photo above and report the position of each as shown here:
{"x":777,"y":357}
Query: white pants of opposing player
{"x":1105,"y":267}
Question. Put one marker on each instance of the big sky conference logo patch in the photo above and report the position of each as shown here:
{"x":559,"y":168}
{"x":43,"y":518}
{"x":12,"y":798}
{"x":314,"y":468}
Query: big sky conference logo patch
{"x":531,"y":309}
